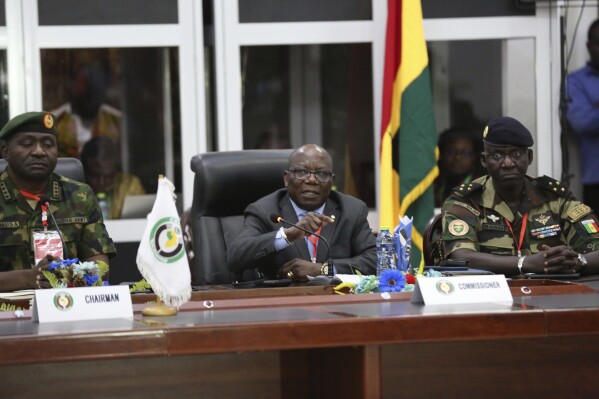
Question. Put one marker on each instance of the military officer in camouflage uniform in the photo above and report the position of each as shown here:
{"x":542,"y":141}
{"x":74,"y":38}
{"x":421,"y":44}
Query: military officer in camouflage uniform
{"x":512,"y":224}
{"x":28,"y":144}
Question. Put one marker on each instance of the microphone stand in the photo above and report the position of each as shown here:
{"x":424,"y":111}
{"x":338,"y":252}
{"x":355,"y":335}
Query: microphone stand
{"x":44,"y":200}
{"x":330,"y":278}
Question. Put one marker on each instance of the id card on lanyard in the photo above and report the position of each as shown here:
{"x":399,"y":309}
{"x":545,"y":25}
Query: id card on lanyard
{"x":44,"y":241}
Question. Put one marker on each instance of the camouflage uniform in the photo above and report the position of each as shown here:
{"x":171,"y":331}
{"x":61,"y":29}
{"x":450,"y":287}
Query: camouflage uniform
{"x":475,"y":218}
{"x":75,"y":209}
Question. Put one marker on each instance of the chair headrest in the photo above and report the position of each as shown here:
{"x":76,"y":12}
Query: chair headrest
{"x":226,"y":182}
{"x":67,"y":167}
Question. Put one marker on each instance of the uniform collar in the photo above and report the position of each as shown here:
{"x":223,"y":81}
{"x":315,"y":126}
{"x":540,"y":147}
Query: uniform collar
{"x":10,"y":193}
{"x":532,"y":198}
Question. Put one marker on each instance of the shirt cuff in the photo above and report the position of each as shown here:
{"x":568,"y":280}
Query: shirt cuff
{"x":280,"y":242}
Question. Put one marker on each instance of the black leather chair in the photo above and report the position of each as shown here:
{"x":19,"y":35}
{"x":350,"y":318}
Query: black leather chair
{"x":68,"y":167}
{"x":225,"y":184}
{"x":431,"y":241}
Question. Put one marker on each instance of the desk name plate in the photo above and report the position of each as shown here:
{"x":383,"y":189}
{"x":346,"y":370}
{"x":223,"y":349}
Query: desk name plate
{"x":82,"y":303}
{"x":461,"y":289}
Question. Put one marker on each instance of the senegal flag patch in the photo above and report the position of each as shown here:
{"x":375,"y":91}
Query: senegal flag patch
{"x":590,"y":226}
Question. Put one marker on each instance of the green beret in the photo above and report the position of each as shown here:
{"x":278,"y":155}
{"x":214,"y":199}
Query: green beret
{"x":36,"y":122}
{"x":506,"y":131}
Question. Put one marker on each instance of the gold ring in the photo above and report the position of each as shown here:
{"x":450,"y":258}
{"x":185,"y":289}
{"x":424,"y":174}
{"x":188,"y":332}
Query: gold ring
{"x":290,"y":274}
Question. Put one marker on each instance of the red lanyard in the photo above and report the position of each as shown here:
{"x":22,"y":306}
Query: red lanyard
{"x":43,"y":206}
{"x":522,"y":232}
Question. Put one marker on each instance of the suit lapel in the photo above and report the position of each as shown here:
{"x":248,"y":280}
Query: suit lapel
{"x":330,"y":209}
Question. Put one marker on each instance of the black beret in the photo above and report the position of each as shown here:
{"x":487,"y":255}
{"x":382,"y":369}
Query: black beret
{"x":36,"y":122}
{"x":506,"y":131}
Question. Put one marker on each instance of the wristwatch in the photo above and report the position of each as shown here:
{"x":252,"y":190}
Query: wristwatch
{"x":583,"y":261}
{"x":282,"y":233}
{"x":324,"y":269}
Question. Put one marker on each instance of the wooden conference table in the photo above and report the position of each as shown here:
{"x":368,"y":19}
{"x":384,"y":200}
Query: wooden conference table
{"x":304,"y":342}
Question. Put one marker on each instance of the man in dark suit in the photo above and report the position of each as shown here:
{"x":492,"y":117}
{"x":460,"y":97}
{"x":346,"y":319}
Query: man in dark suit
{"x":309,"y":203}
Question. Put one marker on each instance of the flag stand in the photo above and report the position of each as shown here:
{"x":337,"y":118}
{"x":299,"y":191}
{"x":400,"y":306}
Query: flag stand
{"x":160,"y":309}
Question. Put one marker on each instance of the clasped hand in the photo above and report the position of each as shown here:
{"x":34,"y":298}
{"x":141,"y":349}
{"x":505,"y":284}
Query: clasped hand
{"x":553,"y":260}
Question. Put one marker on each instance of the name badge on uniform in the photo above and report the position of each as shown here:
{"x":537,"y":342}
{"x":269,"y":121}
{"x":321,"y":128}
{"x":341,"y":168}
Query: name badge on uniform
{"x":46,"y":242}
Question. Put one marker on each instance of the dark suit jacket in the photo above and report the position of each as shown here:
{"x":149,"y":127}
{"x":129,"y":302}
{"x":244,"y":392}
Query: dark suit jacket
{"x":352,"y":241}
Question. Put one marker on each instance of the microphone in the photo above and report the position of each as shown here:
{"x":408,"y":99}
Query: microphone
{"x":278,"y":219}
{"x":45,"y":200}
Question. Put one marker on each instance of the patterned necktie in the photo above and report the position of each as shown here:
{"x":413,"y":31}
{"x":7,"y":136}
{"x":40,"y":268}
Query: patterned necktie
{"x":314,"y":241}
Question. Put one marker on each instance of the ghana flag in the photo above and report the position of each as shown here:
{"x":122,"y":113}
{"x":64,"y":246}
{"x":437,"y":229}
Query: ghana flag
{"x":408,"y":138}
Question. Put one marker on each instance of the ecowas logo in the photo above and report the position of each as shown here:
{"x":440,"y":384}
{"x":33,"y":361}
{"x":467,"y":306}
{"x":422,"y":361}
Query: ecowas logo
{"x":166,"y":240}
{"x":445,"y":287}
{"x":63,"y":301}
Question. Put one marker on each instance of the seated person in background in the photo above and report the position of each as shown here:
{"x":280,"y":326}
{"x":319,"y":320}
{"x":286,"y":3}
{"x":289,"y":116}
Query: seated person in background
{"x":102,"y":172}
{"x":86,"y":115}
{"x":583,"y":115}
{"x":308,"y":202}
{"x":459,"y":152}
{"x":512,"y":224}
{"x":29,"y":147}
{"x":271,"y":139}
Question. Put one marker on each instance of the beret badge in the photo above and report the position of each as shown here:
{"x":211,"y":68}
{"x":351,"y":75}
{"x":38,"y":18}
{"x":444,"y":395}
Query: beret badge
{"x":48,"y":121}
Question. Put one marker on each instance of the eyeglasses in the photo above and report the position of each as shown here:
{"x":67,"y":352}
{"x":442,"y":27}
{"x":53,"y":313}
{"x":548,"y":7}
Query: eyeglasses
{"x":322,"y":176}
{"x":500,"y":156}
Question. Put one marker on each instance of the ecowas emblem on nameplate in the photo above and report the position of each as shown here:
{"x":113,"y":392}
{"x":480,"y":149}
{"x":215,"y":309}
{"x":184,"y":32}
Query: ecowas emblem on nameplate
{"x":461,"y":289}
{"x":82,"y":303}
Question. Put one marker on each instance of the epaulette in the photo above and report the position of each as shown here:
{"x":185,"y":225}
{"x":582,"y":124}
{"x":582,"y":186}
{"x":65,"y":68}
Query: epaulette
{"x":464,"y":190}
{"x":549,"y":184}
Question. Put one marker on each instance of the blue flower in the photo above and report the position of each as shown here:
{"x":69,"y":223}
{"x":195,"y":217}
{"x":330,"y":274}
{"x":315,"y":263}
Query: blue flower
{"x":62,"y":263}
{"x":90,"y":280}
{"x":54,"y":265}
{"x":392,"y":280}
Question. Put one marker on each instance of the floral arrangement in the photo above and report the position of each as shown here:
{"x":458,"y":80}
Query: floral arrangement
{"x":141,"y":286}
{"x":391,"y":280}
{"x":72,"y":273}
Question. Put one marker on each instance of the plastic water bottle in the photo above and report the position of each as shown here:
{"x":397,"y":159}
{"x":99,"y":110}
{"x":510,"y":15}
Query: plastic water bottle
{"x":385,"y":251}
{"x":103,"y":203}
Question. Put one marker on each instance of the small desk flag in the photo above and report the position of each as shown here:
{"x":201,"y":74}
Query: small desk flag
{"x":403,"y":243}
{"x":161,"y":257}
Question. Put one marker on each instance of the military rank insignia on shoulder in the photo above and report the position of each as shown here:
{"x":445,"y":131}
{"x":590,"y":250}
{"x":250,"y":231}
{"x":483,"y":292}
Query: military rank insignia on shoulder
{"x":464,"y":190}
{"x":549,"y":184}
